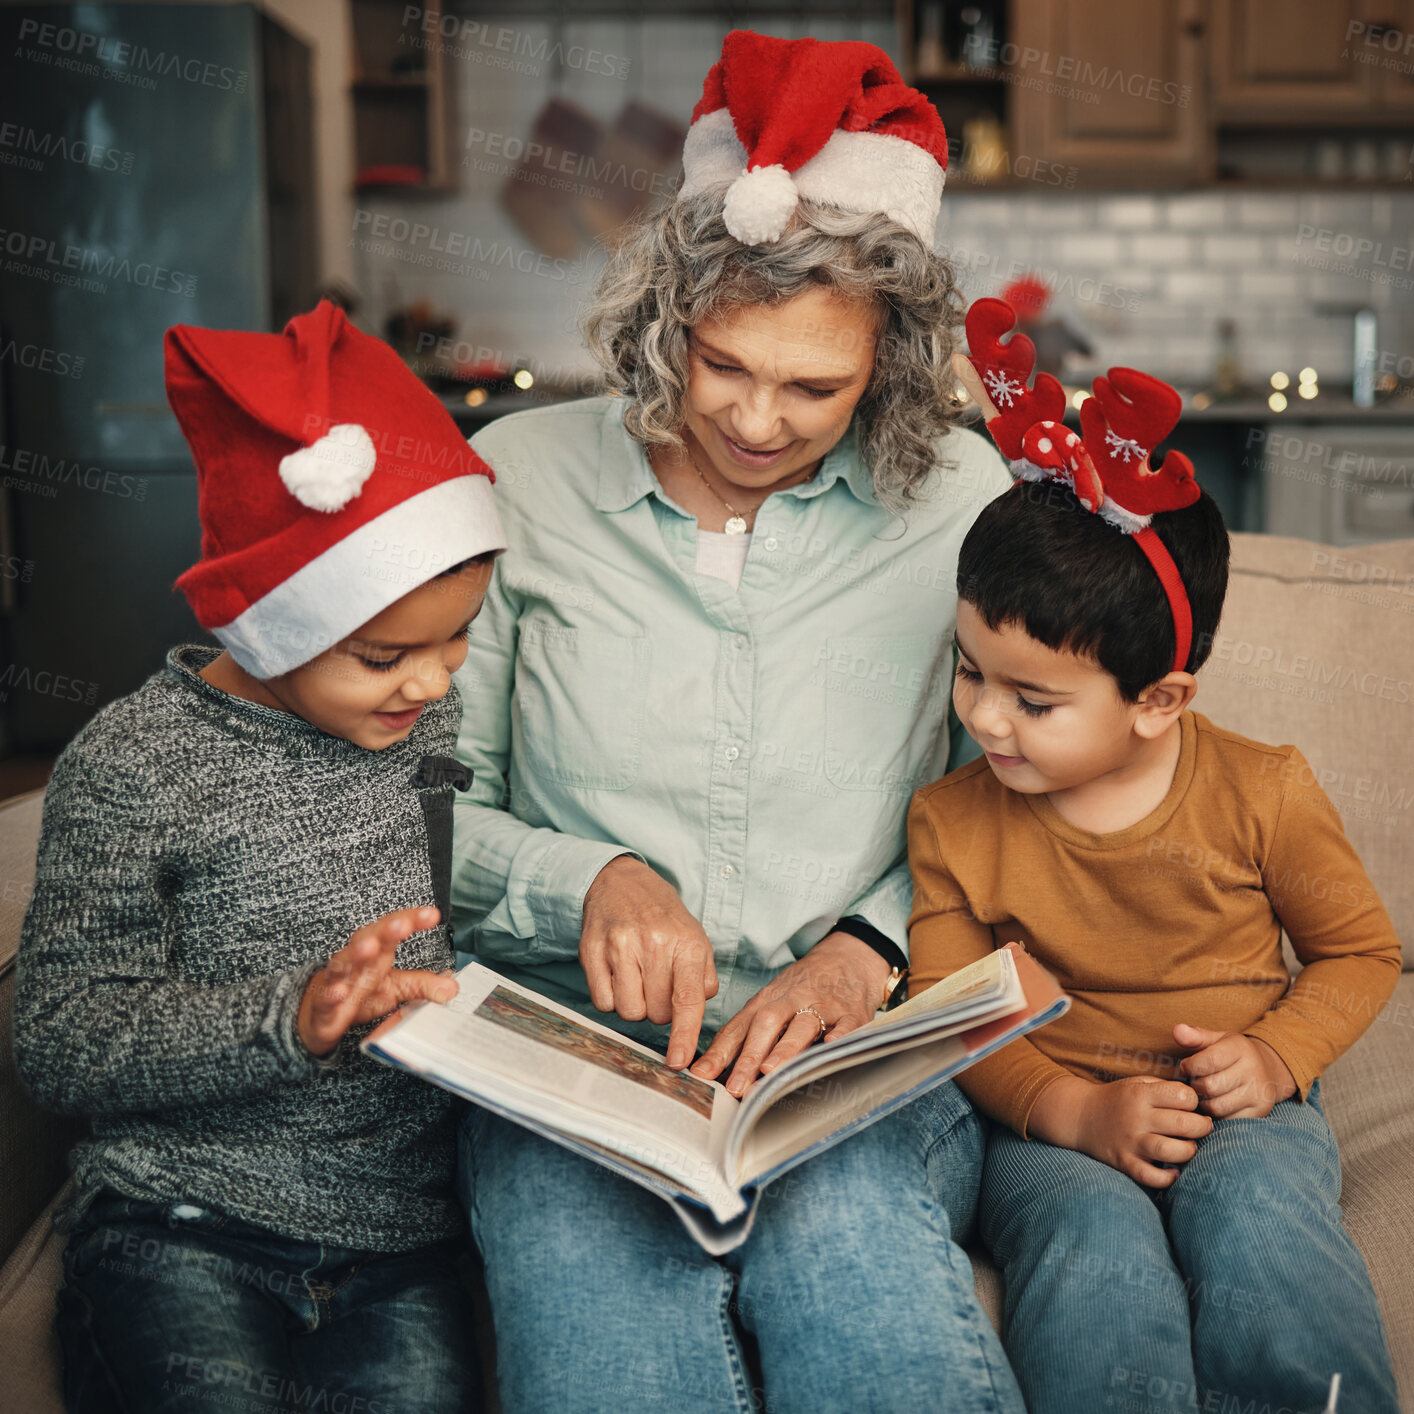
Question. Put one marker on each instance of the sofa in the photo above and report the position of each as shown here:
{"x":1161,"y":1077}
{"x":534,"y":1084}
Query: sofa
{"x":1316,"y":647}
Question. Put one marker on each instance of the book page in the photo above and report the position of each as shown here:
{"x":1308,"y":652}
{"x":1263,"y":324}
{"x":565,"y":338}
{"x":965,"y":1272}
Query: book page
{"x":982,"y":990}
{"x":826,"y":1104}
{"x":514,"y":1046}
{"x":843,"y":1087}
{"x":990,"y":976}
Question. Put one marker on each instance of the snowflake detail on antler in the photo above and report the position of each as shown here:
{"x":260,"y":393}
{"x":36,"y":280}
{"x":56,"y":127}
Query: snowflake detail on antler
{"x":1125,"y":447}
{"x":1003,"y":390}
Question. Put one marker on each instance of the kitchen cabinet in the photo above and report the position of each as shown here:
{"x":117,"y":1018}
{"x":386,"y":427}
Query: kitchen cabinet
{"x":1289,"y":59}
{"x":1393,"y":59}
{"x":1152,"y":93}
{"x":1302,"y":61}
{"x":1112,"y":88}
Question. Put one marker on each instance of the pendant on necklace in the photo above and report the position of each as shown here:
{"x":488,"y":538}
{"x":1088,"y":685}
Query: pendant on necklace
{"x":736,"y":525}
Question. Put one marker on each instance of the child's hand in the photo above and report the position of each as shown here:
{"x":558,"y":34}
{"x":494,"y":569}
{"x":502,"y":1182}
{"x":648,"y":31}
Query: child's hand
{"x":1235,"y":1075}
{"x":1140,"y":1122}
{"x":360,"y":982}
{"x":1133,"y":1125}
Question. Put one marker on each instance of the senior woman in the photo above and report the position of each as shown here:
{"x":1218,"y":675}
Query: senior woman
{"x":712,"y":667}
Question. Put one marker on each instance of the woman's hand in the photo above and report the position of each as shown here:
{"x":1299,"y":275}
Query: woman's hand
{"x":1236,"y":1076}
{"x":841,"y":977}
{"x":644,"y":954}
{"x":360,"y":983}
{"x":1133,"y":1125}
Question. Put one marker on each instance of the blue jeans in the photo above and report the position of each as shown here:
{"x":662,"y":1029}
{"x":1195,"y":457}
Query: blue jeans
{"x":168,"y":1307}
{"x":851,"y":1294}
{"x":1236,"y":1288}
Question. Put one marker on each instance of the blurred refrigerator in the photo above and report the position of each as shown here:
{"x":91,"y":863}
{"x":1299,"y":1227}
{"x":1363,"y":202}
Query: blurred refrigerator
{"x":156,"y":168}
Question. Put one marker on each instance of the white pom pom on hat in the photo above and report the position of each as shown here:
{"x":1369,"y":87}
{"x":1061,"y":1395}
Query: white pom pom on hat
{"x":760,"y":203}
{"x":329,"y":473}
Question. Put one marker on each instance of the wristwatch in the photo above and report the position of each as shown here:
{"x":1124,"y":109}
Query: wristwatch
{"x":896,"y":984}
{"x":895,"y":988}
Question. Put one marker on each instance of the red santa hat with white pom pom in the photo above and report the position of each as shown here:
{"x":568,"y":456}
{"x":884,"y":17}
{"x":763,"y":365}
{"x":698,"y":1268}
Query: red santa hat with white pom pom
{"x":830,"y":121}
{"x":331,"y":482}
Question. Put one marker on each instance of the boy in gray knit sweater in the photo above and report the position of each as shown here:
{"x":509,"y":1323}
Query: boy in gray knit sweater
{"x":242,"y":866}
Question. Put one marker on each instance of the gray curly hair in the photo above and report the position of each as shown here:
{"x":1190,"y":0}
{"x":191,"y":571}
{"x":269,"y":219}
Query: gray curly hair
{"x":678,"y":265}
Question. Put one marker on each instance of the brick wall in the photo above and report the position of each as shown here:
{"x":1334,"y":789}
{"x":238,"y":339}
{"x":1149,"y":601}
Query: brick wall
{"x":1149,"y":276}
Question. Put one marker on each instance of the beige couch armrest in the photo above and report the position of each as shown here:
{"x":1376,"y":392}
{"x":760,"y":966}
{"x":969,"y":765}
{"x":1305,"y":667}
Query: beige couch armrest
{"x":1366,"y":1098}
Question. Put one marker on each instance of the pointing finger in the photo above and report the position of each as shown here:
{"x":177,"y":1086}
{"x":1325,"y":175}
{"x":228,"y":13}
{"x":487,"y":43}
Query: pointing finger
{"x":689,"y":1006}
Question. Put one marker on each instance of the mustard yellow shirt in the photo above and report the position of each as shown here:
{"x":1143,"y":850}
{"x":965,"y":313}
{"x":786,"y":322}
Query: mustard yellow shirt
{"x":1176,"y":918}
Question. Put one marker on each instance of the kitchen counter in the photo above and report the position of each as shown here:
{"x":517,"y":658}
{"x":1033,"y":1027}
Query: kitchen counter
{"x":472,"y":419}
{"x":1325,"y":408}
{"x":1228,"y":442}
{"x":1328,"y":407}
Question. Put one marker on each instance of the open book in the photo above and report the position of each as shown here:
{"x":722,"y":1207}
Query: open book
{"x":707,"y":1153}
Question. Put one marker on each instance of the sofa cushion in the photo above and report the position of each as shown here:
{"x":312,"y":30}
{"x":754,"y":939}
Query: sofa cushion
{"x":1313,"y":650}
{"x":19,"y":839}
{"x":29,"y":1349}
{"x":1366,"y":1096}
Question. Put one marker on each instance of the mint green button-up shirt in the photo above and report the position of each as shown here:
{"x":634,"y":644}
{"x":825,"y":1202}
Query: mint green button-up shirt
{"x":758,"y":746}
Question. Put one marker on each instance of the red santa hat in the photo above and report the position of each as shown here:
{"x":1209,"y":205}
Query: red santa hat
{"x":831,"y":121}
{"x":330,"y":481}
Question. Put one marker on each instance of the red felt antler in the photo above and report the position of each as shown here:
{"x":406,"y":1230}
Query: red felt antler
{"x":1004,"y":369}
{"x":1130,"y":414}
{"x":1109,"y":465}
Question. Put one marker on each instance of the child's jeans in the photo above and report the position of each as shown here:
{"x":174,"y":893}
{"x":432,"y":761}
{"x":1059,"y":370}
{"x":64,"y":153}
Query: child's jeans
{"x":1237,"y":1288}
{"x":167,"y":1307}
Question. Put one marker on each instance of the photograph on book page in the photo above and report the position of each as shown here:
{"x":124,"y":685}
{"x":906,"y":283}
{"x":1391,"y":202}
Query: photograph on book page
{"x":518,"y":1012}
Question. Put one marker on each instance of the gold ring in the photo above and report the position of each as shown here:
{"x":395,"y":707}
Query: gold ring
{"x":824,"y":1027}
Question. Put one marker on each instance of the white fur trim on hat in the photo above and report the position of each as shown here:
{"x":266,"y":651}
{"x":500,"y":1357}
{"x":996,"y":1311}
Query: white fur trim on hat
{"x":854,"y":171}
{"x":1027,"y":470}
{"x":356,"y":579}
{"x":329,"y":473}
{"x":1121,"y":519}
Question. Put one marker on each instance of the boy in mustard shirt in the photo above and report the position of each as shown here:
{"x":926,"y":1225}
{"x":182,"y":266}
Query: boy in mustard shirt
{"x":1171,"y":1233}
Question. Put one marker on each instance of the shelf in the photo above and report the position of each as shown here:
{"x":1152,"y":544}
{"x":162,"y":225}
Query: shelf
{"x":401,"y":115}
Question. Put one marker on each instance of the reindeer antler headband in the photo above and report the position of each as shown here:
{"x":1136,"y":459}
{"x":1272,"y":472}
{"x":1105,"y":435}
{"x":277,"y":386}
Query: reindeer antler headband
{"x":1108,"y":465}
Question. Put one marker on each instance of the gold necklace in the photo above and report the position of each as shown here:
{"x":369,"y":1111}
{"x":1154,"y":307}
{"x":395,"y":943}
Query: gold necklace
{"x":736,"y":525}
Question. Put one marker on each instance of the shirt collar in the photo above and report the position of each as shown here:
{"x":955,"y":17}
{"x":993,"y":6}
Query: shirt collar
{"x":625,"y":477}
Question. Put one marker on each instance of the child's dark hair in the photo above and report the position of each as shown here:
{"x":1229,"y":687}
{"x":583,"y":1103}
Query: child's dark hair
{"x":1037,"y":558}
{"x":484,"y":558}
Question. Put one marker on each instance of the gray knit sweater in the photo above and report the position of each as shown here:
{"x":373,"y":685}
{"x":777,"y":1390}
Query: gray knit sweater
{"x":200,"y":858}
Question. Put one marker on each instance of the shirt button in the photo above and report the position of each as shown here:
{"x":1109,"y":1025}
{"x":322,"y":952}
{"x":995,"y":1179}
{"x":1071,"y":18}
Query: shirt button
{"x":772,"y":543}
{"x":727,"y":871}
{"x":732,"y":753}
{"x":739,"y":641}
